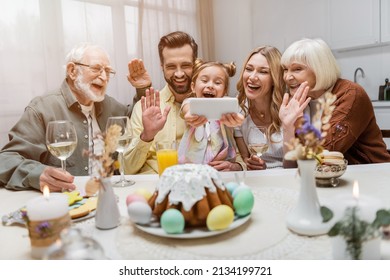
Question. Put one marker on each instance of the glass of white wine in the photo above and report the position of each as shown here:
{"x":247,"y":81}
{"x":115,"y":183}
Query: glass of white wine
{"x":257,"y":140}
{"x":123,"y":142}
{"x":61,"y":140}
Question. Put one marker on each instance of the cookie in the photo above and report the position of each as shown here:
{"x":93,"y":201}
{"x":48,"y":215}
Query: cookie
{"x":84,"y":209}
{"x":73,"y":197}
{"x":91,"y":187}
{"x":332,"y":158}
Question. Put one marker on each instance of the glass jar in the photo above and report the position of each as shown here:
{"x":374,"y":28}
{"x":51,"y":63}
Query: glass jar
{"x":386,"y":92}
{"x":74,"y":246}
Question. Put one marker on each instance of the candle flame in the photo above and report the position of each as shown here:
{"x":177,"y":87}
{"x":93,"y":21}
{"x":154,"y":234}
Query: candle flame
{"x":46,"y":191}
{"x":355,"y":190}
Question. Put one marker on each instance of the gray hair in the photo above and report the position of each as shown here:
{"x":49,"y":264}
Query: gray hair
{"x":315,"y":54}
{"x":77,"y":53}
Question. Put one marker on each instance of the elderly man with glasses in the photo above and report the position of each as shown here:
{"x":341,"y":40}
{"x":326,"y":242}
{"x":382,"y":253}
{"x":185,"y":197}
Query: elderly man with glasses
{"x":25,"y":161}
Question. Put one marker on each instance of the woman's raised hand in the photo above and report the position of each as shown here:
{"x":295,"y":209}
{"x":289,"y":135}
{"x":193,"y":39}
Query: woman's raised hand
{"x":293,"y":106}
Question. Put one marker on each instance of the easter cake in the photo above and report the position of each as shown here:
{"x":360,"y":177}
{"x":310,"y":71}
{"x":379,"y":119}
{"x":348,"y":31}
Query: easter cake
{"x":193,"y":189}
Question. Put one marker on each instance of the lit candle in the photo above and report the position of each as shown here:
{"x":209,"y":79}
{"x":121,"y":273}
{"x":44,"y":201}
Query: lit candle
{"x":367,"y":206}
{"x":47,"y":216}
{"x":355,"y":191}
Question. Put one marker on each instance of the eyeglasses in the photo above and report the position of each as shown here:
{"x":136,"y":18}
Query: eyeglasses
{"x":98,"y":69}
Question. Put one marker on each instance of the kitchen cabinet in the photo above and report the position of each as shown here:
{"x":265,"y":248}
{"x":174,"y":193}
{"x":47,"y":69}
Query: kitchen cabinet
{"x":295,"y":20}
{"x":385,"y":21}
{"x":312,"y":22}
{"x":354,"y":23}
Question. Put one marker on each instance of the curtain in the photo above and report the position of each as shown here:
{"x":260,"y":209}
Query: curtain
{"x":37,"y":35}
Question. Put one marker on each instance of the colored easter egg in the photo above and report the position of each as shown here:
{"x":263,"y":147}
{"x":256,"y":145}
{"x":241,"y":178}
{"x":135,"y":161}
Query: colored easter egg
{"x":135,"y":197}
{"x":231,"y":186}
{"x":139,"y":212}
{"x":243,"y":202}
{"x":239,"y":188}
{"x":220,"y":217}
{"x":172,"y":221}
{"x":144,"y":192}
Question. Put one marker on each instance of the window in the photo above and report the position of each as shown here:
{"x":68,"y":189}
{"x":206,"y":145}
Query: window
{"x":37,"y":34}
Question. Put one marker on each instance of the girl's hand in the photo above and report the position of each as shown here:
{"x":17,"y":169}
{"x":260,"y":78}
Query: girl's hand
{"x":195,"y":120}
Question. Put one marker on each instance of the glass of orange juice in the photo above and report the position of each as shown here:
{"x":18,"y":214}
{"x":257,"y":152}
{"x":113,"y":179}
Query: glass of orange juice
{"x":166,"y":155}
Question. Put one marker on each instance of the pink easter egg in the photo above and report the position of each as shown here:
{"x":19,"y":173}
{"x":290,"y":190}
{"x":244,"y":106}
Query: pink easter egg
{"x":135,"y":197}
{"x":144,"y":192}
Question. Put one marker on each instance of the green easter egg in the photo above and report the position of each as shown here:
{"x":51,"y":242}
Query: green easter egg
{"x":172,"y":221}
{"x":243,"y":202}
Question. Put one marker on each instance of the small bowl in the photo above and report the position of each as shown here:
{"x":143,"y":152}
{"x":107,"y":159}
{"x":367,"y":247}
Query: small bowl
{"x":327,"y":175}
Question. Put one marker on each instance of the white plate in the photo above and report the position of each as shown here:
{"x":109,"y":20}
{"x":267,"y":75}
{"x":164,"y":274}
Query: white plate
{"x":193,"y":232}
{"x":86,"y":217}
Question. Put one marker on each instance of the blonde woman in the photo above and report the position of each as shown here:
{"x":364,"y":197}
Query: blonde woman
{"x":260,"y":93}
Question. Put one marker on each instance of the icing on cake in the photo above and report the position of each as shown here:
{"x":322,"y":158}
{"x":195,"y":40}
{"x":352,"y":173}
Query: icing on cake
{"x":181,"y":183}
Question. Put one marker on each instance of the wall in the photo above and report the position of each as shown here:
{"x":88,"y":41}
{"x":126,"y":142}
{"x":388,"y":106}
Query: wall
{"x":280,"y":22}
{"x":374,"y":61}
{"x":233,"y":33}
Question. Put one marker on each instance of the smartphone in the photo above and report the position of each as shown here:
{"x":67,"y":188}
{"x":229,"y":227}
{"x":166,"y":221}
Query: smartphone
{"x":213,"y":108}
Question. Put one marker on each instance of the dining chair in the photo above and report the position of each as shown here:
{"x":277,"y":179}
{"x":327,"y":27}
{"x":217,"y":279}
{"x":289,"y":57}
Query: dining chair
{"x":386,"y":135}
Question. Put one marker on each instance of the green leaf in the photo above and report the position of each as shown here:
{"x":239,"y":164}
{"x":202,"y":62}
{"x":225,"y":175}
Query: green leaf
{"x":334,"y":231}
{"x":382,"y":218}
{"x":326,"y":213}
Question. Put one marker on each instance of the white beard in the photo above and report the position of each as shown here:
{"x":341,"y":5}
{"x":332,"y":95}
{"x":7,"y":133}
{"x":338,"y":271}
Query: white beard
{"x":85,"y":89}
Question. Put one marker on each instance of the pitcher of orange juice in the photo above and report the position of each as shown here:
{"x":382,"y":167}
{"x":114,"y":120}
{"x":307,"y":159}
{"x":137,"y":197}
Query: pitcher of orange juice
{"x":166,"y":155}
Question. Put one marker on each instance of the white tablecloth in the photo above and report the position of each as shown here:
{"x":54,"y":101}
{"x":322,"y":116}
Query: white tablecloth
{"x":263,"y":236}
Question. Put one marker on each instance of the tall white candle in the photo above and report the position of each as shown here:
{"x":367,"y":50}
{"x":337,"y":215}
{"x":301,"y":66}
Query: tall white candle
{"x":367,"y":205}
{"x":366,"y":210}
{"x":49,"y":207}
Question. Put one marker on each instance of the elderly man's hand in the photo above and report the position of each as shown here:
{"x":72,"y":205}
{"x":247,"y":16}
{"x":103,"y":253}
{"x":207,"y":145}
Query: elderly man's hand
{"x":56,"y":179}
{"x":138,"y":76}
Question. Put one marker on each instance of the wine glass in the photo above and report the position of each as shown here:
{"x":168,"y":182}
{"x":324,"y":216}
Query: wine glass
{"x":123,"y":141}
{"x":61,"y":140}
{"x":257,"y":140}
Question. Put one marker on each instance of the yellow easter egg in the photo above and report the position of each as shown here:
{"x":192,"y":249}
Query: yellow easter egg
{"x":220,"y":217}
{"x":143,"y":192}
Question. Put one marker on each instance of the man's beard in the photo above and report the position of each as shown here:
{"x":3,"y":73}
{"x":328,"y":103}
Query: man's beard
{"x":182,"y":89}
{"x":85,"y":89}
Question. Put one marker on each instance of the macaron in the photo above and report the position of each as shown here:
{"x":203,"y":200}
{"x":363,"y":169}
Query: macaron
{"x":332,"y":157}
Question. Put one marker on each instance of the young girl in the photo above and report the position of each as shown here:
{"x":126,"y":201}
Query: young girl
{"x":211,"y":142}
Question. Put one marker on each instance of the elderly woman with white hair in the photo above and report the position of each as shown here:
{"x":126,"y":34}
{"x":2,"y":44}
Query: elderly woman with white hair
{"x":311,"y":70}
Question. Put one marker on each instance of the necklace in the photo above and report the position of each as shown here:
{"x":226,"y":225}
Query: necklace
{"x":259,"y":117}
